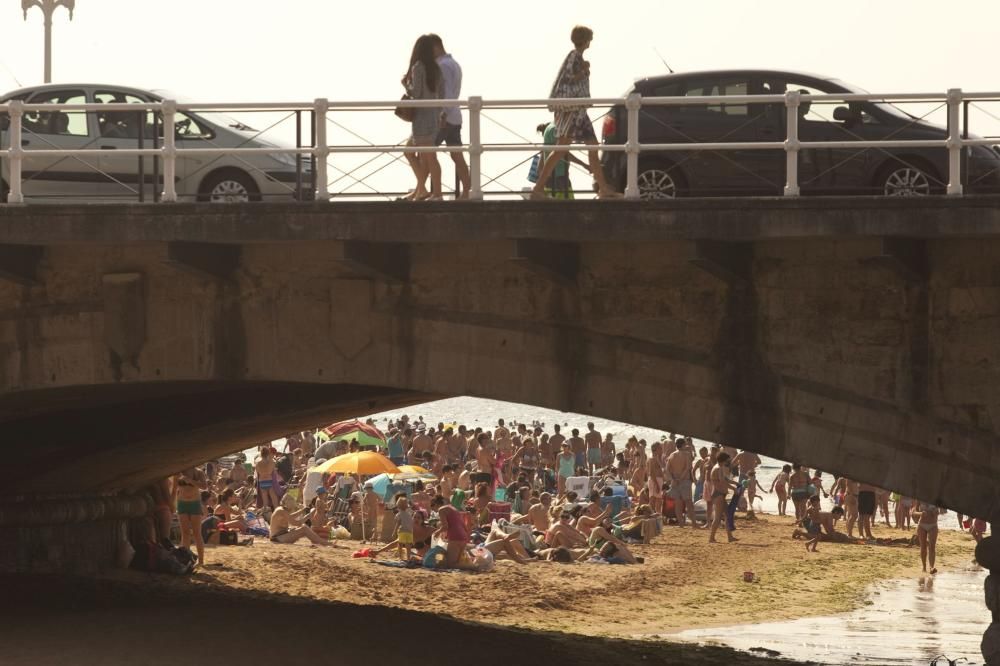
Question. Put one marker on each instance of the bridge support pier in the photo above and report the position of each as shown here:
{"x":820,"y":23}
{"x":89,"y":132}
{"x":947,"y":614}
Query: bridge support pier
{"x":69,"y":535}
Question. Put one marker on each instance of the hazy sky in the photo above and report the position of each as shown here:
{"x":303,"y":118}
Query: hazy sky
{"x":297,"y":50}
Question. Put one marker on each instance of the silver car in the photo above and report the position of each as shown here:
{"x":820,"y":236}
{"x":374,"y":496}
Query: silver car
{"x":105,"y":176}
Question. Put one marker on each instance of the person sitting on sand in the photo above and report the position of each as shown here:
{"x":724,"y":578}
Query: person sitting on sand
{"x":564,"y":534}
{"x":811,"y":523}
{"x":538,"y":514}
{"x":585,"y":523}
{"x":453,"y":532}
{"x":286,"y":524}
{"x":823,"y":529}
{"x":640,"y":526}
{"x":482,"y":504}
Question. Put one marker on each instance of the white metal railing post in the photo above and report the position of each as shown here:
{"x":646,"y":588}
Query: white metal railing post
{"x":15,"y":195}
{"x":632,"y":105}
{"x":169,"y":150}
{"x":793,"y":98}
{"x":954,"y":141}
{"x":475,"y":149}
{"x":321,"y":150}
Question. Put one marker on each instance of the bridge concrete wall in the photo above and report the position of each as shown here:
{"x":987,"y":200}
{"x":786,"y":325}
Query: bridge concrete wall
{"x":857,"y":336}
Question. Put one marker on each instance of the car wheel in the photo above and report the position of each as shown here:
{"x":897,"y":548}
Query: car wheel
{"x":659,"y":181}
{"x":229,"y":186}
{"x":909,"y":179}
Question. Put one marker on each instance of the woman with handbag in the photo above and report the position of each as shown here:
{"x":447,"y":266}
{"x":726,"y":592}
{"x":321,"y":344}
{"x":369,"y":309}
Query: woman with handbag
{"x":423,"y":81}
{"x":572,"y":122}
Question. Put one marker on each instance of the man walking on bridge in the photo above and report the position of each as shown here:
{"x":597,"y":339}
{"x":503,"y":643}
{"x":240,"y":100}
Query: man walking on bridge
{"x":450,"y":130}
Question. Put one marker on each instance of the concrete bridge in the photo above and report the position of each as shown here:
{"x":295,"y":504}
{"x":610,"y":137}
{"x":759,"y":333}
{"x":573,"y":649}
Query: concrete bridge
{"x":859,"y":336}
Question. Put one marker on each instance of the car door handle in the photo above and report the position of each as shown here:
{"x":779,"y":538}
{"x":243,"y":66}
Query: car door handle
{"x":109,"y":147}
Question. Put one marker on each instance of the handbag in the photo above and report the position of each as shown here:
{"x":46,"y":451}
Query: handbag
{"x":405,"y":113}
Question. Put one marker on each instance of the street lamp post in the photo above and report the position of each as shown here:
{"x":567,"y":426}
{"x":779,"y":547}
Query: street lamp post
{"x":48,"y":7}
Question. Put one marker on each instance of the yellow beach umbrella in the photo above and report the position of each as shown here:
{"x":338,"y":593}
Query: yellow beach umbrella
{"x":415,"y":469}
{"x":364,"y":463}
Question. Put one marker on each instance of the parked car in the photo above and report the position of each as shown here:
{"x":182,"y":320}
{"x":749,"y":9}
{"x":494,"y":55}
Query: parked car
{"x":105,"y":176}
{"x":882,"y":171}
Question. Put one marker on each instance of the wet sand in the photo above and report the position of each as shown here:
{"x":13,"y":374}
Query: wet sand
{"x":907,"y":621}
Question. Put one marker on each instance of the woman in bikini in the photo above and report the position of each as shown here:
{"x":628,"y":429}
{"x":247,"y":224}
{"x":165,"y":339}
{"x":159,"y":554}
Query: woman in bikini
{"x":926,"y":517}
{"x":190,"y":510}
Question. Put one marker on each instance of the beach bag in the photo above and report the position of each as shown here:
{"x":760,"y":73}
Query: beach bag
{"x":228,"y":538}
{"x":536,"y":162}
{"x":405,"y":113}
{"x":482,"y":560}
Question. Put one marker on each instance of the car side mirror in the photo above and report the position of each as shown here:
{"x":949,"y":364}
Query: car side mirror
{"x":844,"y":114}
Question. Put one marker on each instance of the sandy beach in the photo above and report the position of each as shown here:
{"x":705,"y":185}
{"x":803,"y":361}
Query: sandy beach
{"x":318,"y":603}
{"x":685,"y":583}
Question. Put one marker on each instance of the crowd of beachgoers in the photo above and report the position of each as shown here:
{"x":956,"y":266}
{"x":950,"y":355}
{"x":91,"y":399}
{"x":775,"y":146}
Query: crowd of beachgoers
{"x":448,"y":496}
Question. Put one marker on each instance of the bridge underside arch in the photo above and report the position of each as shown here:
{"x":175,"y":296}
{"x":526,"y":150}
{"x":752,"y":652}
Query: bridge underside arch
{"x":860,"y":355}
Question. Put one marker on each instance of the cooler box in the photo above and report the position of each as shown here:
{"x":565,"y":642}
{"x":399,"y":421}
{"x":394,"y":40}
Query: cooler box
{"x":618,"y":490}
{"x":579,"y":485}
{"x":499,"y":510}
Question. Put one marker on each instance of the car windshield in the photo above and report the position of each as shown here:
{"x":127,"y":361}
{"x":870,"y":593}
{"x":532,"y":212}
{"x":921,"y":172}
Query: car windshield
{"x":215,"y":117}
{"x":884,"y":107}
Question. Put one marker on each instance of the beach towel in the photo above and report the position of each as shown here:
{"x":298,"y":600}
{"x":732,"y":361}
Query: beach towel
{"x":396,"y":564}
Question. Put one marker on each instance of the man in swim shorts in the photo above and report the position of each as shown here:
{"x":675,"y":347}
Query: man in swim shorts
{"x":679,"y":465}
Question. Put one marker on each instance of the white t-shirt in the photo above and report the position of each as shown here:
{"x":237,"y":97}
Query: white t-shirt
{"x":451,"y":76}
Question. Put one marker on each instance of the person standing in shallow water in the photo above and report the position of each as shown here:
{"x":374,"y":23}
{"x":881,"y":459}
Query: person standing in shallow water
{"x":926,"y":517}
{"x":572,"y":122}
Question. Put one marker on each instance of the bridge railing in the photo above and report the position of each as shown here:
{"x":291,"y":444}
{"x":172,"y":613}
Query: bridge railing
{"x":955,"y":141}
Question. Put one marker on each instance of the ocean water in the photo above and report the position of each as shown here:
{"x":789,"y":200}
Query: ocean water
{"x":905,"y":622}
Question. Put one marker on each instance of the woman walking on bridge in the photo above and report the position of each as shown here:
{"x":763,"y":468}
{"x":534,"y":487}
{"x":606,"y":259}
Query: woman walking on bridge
{"x":572,"y":122}
{"x":423,"y":81}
